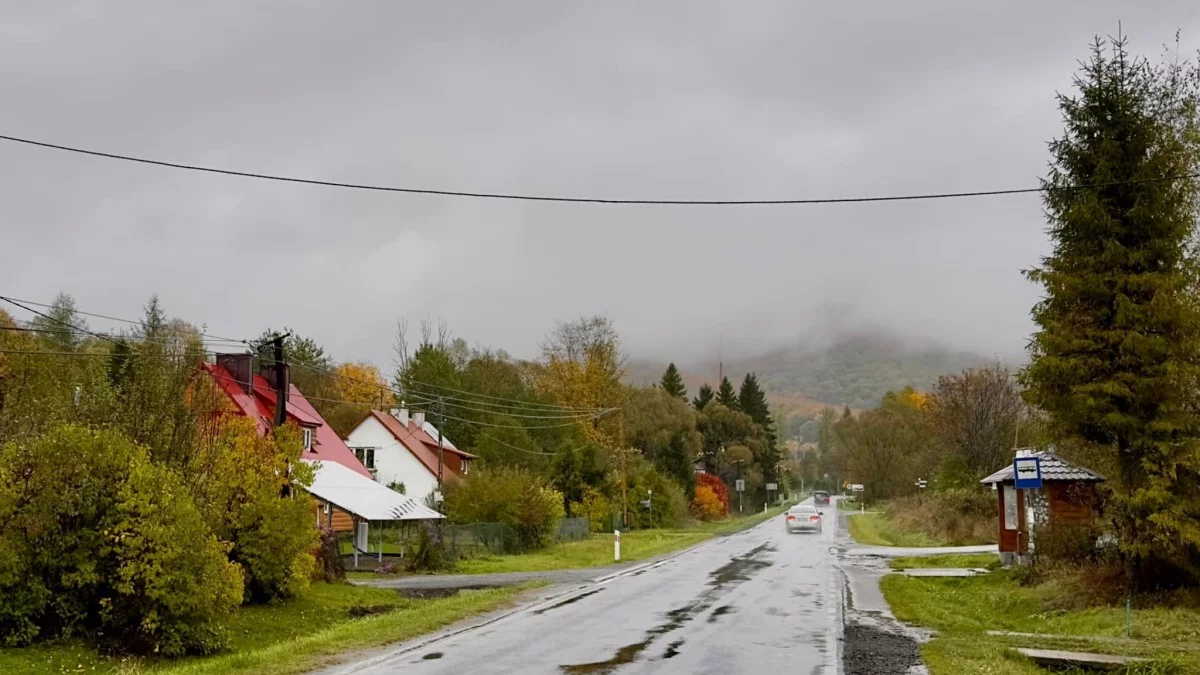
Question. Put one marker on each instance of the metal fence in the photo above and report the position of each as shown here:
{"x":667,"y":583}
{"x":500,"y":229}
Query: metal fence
{"x":573,"y":529}
{"x":463,"y":541}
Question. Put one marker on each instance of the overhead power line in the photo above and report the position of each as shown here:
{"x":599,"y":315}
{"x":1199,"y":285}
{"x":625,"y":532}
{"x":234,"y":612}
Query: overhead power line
{"x":572,"y":200}
{"x":128,"y":321}
{"x":419,"y":385}
{"x":59,"y":321}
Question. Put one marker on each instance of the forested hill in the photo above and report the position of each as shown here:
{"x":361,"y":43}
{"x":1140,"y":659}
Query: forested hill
{"x":856,"y":370}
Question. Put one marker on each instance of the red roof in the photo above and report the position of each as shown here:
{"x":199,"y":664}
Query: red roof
{"x":260,"y":407}
{"x":418,"y":442}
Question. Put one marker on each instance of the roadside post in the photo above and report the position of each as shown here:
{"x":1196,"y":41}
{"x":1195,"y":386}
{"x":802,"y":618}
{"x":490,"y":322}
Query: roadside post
{"x":617,"y":545}
{"x":1027,"y":475}
{"x":740,"y":486}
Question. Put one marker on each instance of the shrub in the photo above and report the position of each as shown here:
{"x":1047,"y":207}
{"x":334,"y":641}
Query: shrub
{"x":510,"y":496}
{"x":270,"y":535}
{"x":714,"y":483}
{"x":97,"y":540}
{"x":170,"y":577}
{"x":706,"y":505}
{"x":957,"y":515}
{"x":1067,"y":543}
{"x":328,"y":557}
{"x":668,"y":505}
{"x":597,"y":509}
{"x":427,"y":551}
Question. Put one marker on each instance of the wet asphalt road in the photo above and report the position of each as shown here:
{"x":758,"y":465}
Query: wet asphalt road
{"x":759,"y":601}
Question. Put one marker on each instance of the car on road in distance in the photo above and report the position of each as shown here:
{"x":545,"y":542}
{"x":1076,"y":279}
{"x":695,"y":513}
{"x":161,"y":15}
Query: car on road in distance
{"x":821,"y":497}
{"x":804,"y":518}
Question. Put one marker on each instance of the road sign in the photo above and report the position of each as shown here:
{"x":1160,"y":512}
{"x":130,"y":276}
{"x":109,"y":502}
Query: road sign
{"x":921,"y":483}
{"x":1027,"y":473}
{"x":739,"y":485}
{"x":856,"y":487}
{"x":772,"y":486}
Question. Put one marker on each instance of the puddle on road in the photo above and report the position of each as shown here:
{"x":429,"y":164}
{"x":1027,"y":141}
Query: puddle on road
{"x":432,"y":655}
{"x":568,"y":601}
{"x":720,"y":612}
{"x":673,"y":649}
{"x":729,"y":575}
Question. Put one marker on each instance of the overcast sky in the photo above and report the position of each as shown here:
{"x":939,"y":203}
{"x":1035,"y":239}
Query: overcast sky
{"x":676,"y":100}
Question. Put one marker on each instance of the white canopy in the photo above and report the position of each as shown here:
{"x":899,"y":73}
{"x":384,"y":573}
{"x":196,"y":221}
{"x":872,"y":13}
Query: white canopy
{"x":358,"y":495}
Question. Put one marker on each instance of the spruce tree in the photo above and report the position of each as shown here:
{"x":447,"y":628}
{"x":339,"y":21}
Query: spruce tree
{"x":752,"y":400}
{"x":703,"y":397}
{"x":1115,"y":358}
{"x":726,"y":395}
{"x":672,"y":383}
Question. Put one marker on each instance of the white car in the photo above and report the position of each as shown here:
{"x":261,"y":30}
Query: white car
{"x":804,"y":518}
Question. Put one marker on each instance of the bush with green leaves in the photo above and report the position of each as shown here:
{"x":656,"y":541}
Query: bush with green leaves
{"x":240,"y":490}
{"x":667,"y":504}
{"x":515,"y":497}
{"x":97,"y":540}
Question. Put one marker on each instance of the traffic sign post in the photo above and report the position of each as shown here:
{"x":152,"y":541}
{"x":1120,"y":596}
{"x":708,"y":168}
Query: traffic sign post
{"x":740,"y":486}
{"x":921,"y":485}
{"x":1027,"y":473}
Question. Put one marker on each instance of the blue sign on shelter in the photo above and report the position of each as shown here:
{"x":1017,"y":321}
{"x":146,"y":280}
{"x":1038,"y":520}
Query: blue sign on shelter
{"x":1027,"y":473}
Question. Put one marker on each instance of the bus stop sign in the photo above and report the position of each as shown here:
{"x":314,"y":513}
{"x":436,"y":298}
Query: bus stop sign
{"x":1027,"y":473}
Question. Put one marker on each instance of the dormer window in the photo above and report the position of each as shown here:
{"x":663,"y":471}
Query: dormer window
{"x":308,"y":439}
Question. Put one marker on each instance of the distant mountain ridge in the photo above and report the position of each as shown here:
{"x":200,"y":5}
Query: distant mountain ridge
{"x":854,"y":370}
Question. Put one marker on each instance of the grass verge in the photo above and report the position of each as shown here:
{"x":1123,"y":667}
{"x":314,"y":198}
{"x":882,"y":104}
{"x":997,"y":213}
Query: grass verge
{"x":291,"y":637}
{"x":597,"y":550}
{"x":960,"y":560}
{"x":875,"y":529}
{"x":962,"y":610}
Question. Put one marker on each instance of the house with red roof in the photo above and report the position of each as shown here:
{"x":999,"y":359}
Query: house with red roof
{"x":346,"y":494}
{"x":253,"y":395}
{"x":403,"y":448}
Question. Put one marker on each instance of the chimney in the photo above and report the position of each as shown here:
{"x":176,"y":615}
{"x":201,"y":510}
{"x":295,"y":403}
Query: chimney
{"x":419,"y":418}
{"x":401,"y":414}
{"x":240,"y":366}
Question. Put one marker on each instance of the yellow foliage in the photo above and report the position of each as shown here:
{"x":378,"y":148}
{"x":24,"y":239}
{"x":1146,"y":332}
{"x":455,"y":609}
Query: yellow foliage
{"x":361,"y":383}
{"x":707,"y":505}
{"x":593,"y":383}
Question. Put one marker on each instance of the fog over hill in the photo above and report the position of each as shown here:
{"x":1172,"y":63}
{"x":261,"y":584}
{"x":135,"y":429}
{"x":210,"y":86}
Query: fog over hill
{"x":854,"y":368}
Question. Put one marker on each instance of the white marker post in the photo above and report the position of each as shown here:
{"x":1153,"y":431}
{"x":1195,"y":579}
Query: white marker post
{"x":617,"y":545}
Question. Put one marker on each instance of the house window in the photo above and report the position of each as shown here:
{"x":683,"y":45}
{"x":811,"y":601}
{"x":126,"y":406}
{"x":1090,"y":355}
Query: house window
{"x":308,"y":439}
{"x":1010,"y":507}
{"x":366,"y":456}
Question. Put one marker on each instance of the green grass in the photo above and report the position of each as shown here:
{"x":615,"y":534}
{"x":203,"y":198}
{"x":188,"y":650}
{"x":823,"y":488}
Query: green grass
{"x":291,"y":637}
{"x":597,"y":550}
{"x":874,"y":529}
{"x":961,"y":610}
{"x":968,"y":560}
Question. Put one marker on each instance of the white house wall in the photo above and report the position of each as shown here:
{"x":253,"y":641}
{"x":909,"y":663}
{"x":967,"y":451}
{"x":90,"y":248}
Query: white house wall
{"x":393,"y":462}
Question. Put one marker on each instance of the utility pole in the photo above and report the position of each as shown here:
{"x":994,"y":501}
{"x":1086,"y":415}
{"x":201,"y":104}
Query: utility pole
{"x":624,"y":474}
{"x":441,"y":441}
{"x":281,"y":385}
{"x":281,"y":396}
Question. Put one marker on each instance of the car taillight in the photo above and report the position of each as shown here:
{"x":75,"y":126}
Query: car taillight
{"x":790,"y":517}
{"x":814,"y":517}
